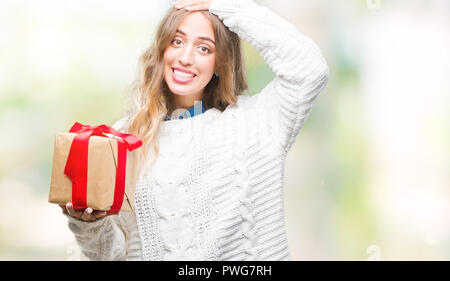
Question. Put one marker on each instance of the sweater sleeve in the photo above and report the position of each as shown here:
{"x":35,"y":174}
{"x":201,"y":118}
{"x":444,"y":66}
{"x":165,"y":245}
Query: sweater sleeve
{"x":106,"y":238}
{"x":103,"y":239}
{"x":301,"y":71}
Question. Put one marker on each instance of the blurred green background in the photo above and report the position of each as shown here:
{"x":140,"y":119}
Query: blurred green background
{"x":367,"y":178}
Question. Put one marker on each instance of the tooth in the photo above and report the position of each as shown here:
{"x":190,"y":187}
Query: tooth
{"x":183,"y":74}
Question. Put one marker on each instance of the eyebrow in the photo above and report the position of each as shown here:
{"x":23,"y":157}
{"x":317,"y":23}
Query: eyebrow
{"x":202,"y":38}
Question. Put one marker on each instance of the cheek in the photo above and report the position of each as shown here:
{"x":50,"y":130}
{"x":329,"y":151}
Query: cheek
{"x":207,"y":65}
{"x":168,"y":56}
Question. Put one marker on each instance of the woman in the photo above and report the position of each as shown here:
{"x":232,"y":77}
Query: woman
{"x":211,"y":186}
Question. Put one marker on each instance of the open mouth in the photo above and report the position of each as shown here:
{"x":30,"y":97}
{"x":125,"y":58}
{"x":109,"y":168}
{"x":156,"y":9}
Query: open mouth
{"x":182,"y":77}
{"x":183,"y":74}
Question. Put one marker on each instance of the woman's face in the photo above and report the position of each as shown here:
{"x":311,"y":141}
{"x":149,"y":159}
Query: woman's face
{"x":189,"y":61}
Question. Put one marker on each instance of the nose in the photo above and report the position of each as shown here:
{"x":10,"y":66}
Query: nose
{"x":186,"y":57}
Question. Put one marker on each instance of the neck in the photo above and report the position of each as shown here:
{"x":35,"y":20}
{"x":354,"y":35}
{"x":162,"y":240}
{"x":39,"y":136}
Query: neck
{"x":185,"y":101}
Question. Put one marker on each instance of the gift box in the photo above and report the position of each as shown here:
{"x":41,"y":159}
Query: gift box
{"x":94,"y":167}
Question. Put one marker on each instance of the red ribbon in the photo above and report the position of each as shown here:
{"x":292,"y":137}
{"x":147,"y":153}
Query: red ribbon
{"x":77,"y":162}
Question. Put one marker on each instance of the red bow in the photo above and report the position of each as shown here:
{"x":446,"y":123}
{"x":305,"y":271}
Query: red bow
{"x":77,"y":162}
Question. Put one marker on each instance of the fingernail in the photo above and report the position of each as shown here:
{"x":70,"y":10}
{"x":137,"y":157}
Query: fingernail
{"x":89,"y":210}
{"x":69,"y":204}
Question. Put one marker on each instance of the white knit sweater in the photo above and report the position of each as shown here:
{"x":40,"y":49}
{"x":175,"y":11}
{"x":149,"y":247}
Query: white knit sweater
{"x":216,"y":191}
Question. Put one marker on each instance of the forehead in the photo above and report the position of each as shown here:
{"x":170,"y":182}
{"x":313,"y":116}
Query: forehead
{"x":196,"y":25}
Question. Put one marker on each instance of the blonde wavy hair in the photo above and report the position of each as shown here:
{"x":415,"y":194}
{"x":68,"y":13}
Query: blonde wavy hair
{"x":149,"y":94}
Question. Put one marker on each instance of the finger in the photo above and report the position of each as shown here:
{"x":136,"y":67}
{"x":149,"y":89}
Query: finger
{"x":86,"y":215}
{"x":72,"y":212}
{"x":179,"y":6}
{"x":98,"y":214}
{"x":178,"y":3}
{"x":64,"y":209}
{"x":198,"y":7}
{"x":183,"y":3}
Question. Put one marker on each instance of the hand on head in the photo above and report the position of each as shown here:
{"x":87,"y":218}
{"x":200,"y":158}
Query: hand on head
{"x":192,"y":5}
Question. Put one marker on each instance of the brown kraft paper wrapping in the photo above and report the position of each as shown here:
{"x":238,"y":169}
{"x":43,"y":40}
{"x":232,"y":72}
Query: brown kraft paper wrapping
{"x":102,"y":165}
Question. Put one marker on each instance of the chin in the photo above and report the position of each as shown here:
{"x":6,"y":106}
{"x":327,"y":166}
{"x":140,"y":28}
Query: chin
{"x":181,"y":93}
{"x":182,"y":90}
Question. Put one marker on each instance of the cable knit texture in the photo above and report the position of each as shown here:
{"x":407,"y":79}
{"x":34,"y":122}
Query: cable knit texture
{"x":216,"y":190}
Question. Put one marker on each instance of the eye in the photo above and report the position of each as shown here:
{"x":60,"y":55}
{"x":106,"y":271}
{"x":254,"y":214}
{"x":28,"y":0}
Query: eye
{"x":176,"y":41}
{"x":205,"y":50}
